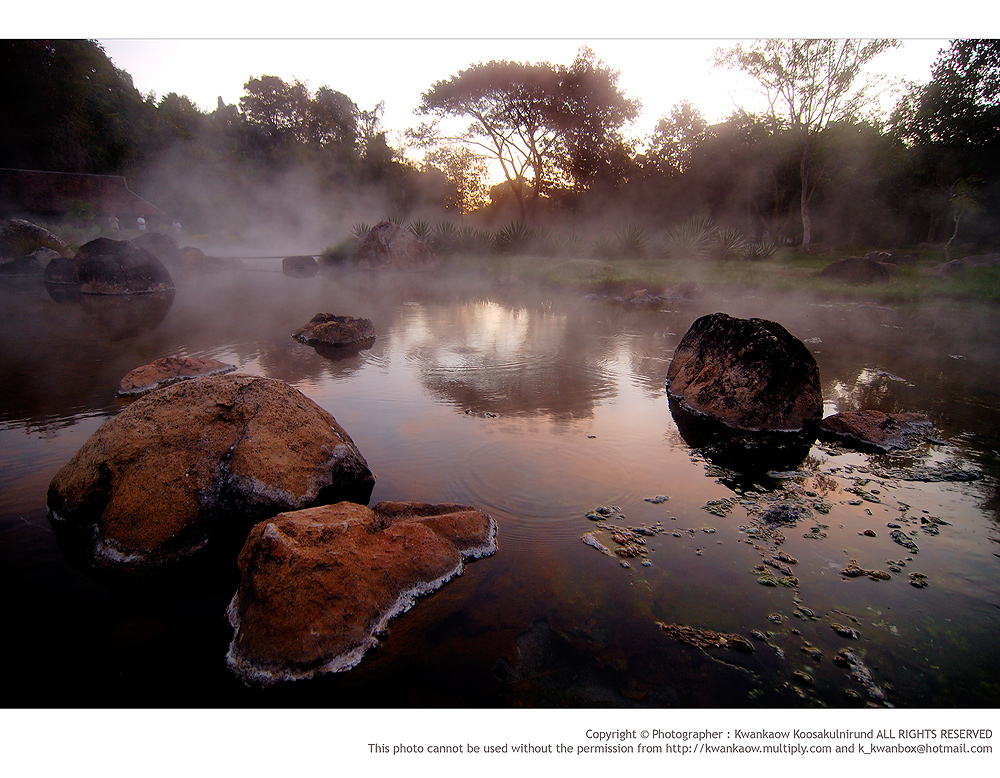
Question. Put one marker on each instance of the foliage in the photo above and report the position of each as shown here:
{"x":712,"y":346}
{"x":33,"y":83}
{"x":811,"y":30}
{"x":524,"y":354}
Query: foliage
{"x":511,"y":237}
{"x":730,"y":243}
{"x":421,"y":230}
{"x":547,"y":126}
{"x":632,"y":241}
{"x":809,"y":83}
{"x":760,"y":249}
{"x":338,"y":254}
{"x":675,"y":138}
{"x":691,"y":239}
{"x":360,"y":229}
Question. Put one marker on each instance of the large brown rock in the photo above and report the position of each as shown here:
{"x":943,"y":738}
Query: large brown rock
{"x":169,"y":370}
{"x":748,"y":374}
{"x":19,"y":238}
{"x":318,"y":585}
{"x":388,"y":245}
{"x":105,"y":266}
{"x":875,"y":429}
{"x":327,"y":329}
{"x":201,"y":459}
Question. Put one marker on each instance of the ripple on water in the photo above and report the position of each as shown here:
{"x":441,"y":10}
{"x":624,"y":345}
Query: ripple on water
{"x":541,"y":490}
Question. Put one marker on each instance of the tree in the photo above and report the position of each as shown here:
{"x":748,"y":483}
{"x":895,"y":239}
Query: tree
{"x":466,"y":176}
{"x":675,"y":138}
{"x":547,"y":126}
{"x":952,"y":126}
{"x":68,"y":108}
{"x":809,"y":84}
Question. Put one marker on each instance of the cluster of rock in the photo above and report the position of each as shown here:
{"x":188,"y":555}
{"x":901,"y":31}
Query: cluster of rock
{"x":211,"y":457}
{"x":753,"y":375}
{"x":20,"y":238}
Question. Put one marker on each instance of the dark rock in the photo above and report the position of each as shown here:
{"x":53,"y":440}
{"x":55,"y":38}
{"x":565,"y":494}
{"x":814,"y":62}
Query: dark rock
{"x":786,"y":513}
{"x":62,"y":272}
{"x":892,"y":258}
{"x":748,"y":374}
{"x":198,"y":460}
{"x":388,"y":245}
{"x":106,"y":266}
{"x":957,"y":266}
{"x":857,"y":270}
{"x":299,"y":267}
{"x":161,"y":246}
{"x":327,"y":329}
{"x":317,"y":585}
{"x":193,"y":260}
{"x":34,"y":264}
{"x":877,"y":430}
{"x":904,"y":540}
{"x":169,"y":370}
{"x":19,"y":238}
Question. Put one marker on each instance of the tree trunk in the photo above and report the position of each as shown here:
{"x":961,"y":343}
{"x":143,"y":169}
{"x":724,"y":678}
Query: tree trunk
{"x":804,"y":198}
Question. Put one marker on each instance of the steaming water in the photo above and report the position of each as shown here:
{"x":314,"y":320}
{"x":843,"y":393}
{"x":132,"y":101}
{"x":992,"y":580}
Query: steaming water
{"x":536,"y":406}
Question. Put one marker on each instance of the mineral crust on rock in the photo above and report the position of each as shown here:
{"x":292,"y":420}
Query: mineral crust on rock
{"x":201,"y":459}
{"x":318,"y":585}
{"x":748,"y":374}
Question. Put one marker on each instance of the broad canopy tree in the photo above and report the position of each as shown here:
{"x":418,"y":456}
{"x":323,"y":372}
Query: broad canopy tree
{"x":548,"y":127}
{"x":808,"y":84}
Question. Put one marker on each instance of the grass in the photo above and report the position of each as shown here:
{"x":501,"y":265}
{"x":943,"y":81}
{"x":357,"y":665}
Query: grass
{"x":787,"y":270}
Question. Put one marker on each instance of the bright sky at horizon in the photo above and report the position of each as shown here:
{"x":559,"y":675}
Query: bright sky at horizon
{"x":659,"y":72}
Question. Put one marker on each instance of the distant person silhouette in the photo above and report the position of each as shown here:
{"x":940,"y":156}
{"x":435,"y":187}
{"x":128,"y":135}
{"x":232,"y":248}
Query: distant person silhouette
{"x":141,"y":224}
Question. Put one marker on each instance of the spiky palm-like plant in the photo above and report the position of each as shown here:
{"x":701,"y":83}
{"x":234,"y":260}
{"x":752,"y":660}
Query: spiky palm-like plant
{"x":421,"y":230}
{"x":691,"y":239}
{"x":730,"y":243}
{"x":632,"y":241}
{"x":761,"y":249}
{"x":511,"y":237}
{"x":359,"y":230}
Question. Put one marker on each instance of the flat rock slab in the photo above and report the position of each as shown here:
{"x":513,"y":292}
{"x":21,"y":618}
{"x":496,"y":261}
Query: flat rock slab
{"x":875,"y":429}
{"x":326,"y":329}
{"x":318,"y":585}
{"x":169,"y":370}
{"x":201,"y":459}
{"x":748,"y":374}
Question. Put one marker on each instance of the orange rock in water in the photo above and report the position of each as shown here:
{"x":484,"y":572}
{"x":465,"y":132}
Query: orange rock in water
{"x":318,"y":585}
{"x":201,"y":459}
{"x":169,"y":370}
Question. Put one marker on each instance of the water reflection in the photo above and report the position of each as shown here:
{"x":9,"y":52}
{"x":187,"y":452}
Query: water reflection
{"x":567,"y":410}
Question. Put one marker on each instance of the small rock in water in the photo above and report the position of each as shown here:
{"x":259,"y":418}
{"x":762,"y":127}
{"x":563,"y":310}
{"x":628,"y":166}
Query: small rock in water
{"x":904,"y":540}
{"x":660,"y":498}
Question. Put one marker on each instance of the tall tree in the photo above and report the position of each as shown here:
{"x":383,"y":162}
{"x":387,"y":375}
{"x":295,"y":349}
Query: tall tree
{"x":808,"y":84}
{"x":547,"y":126}
{"x":675,"y":138}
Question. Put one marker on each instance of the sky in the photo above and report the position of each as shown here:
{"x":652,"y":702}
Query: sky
{"x":392,"y":50}
{"x":659,"y":72}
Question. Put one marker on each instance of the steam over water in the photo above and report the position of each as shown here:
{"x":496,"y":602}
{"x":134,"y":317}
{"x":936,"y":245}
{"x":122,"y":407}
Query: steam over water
{"x":537,"y":406}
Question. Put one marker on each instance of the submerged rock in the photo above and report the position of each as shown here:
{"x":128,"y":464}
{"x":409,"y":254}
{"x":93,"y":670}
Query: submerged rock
{"x":748,"y":374}
{"x":169,"y":370}
{"x":199,"y":460}
{"x":706,"y":638}
{"x":317,"y":585}
{"x":874,"y":429}
{"x":105,"y":266}
{"x":388,"y":245}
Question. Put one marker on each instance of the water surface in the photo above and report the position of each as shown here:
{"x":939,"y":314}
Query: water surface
{"x":535,"y":405}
